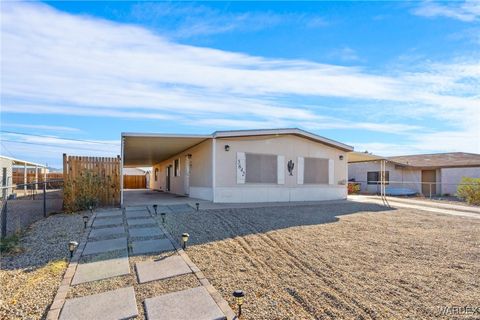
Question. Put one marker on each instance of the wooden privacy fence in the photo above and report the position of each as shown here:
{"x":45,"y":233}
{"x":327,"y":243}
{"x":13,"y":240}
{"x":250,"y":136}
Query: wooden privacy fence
{"x":134,"y":182}
{"x":105,"y":171}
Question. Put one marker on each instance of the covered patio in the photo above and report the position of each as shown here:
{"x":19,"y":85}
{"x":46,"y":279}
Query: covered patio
{"x":141,"y":197}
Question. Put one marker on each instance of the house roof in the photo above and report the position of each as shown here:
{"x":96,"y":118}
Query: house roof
{"x":439,"y":160}
{"x":146,"y":149}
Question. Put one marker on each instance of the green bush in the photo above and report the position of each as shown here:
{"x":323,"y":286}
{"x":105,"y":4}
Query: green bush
{"x":83,"y":192}
{"x":469,"y":190}
{"x":10,"y":244}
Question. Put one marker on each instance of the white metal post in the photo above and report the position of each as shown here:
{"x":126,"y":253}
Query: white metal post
{"x":24,"y":179}
{"x":121,"y":171}
{"x":214,"y":146}
{"x":36,"y":177}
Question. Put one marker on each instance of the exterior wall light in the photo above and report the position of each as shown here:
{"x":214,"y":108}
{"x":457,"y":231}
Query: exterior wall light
{"x":227,"y":147}
{"x":155,"y":206}
{"x":163,"y":215}
{"x":238,"y":295}
{"x":72,"y":245}
{"x":85,"y":221}
{"x":340,"y":157}
{"x":185,"y":237}
{"x":197,"y":205}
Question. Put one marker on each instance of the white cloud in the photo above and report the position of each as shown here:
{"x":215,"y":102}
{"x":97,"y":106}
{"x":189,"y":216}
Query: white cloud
{"x":467,"y":11}
{"x":39,"y":127}
{"x":57,"y":63}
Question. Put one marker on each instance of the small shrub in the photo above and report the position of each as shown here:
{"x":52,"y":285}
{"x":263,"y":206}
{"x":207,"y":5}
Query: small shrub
{"x":469,"y":190}
{"x":353,"y":188}
{"x":10,"y":244}
{"x":82,"y":192}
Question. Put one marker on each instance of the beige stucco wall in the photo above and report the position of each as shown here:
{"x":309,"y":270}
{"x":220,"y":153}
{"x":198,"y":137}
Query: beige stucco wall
{"x":399,"y":177}
{"x":450,"y":178}
{"x":6,"y":163}
{"x":200,"y":178}
{"x":292,"y":147}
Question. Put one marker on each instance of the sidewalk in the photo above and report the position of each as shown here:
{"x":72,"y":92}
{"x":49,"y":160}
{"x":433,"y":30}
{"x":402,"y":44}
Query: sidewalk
{"x":443,"y":208}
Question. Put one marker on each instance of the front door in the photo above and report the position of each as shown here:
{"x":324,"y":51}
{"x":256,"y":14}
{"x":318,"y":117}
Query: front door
{"x":429,"y":178}
{"x":169,"y":174}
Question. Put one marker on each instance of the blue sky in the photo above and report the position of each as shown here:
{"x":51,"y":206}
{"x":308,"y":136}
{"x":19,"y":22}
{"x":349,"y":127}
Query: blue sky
{"x":388,"y":77}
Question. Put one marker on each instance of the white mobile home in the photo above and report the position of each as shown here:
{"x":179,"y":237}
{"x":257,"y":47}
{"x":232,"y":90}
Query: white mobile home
{"x":242,"y":166}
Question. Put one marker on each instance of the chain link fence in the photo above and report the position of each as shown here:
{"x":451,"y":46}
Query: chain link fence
{"x":23,"y":204}
{"x":432,"y":190}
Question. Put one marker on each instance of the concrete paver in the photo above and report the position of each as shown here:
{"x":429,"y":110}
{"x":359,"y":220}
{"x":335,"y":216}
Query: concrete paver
{"x":111,"y":221}
{"x":103,"y":232}
{"x":137,"y":222}
{"x":193,"y":303}
{"x":87,"y":272}
{"x":162,"y":269}
{"x":109,"y":214}
{"x":137,"y":214}
{"x":151,"y":246}
{"x":105,"y":245}
{"x":110,"y":305}
{"x":145,"y":232}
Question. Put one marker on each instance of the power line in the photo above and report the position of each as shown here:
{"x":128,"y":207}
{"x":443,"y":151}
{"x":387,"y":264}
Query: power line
{"x":67,"y":139}
{"x":53,"y":145}
{"x":6,"y":149}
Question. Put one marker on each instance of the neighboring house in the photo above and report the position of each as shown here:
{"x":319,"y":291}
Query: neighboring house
{"x":242,"y":166}
{"x":424,"y":173}
{"x":9,"y":167}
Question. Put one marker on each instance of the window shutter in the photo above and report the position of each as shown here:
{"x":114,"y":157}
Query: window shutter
{"x":331,"y":171}
{"x":300,"y":170}
{"x":281,"y":169}
{"x":241,"y":167}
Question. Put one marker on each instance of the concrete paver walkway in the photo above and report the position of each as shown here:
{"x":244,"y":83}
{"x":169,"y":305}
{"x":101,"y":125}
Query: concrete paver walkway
{"x":135,"y":232}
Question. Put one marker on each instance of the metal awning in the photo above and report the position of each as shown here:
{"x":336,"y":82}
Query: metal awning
{"x":144,"y":150}
{"x":23,"y":162}
{"x":363,"y":157}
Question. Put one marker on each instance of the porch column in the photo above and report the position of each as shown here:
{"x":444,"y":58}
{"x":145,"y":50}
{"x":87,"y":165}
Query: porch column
{"x":121,"y":171}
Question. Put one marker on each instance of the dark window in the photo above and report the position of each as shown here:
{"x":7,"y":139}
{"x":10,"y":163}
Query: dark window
{"x":315,"y":171}
{"x":176,"y":167}
{"x":373,"y":177}
{"x":156,"y":174}
{"x":261,"y":168}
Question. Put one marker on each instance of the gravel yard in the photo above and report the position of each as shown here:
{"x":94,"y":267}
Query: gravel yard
{"x":29,"y":279}
{"x":350,"y":260}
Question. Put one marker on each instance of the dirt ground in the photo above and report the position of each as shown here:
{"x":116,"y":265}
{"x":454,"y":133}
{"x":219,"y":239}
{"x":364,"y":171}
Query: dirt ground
{"x":337,"y":261}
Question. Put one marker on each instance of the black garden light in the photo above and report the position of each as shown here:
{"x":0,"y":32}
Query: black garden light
{"x":163,"y":215}
{"x":185,"y":237}
{"x":155,"y":206}
{"x":197,"y":205}
{"x":90,"y":208}
{"x":85,"y":221}
{"x":72,"y":245}
{"x":238,"y":295}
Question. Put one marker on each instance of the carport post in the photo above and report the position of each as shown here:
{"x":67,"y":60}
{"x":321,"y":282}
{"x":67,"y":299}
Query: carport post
{"x":24,"y":179}
{"x":121,"y":171}
{"x":36,"y":177}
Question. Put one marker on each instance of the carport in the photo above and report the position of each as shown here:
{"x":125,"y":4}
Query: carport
{"x":355,"y":157}
{"x":148,"y":149}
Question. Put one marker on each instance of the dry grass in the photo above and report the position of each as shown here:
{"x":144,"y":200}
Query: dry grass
{"x":303,"y":263}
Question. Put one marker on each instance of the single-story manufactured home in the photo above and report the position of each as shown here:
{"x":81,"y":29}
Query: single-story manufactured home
{"x":427,"y":174}
{"x":242,"y":166}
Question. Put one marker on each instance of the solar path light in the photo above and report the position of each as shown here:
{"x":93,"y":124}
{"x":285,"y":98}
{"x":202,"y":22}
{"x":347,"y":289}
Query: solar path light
{"x":197,"y":205}
{"x":238,"y":295}
{"x":155,"y":206}
{"x":163,"y":215}
{"x":72,"y":245}
{"x":85,"y":221}
{"x":185,"y":237}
